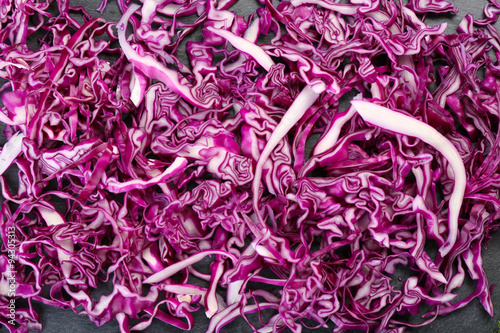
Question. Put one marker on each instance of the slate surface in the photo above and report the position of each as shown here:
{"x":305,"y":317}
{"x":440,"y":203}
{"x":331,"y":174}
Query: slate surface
{"x":472,"y":318}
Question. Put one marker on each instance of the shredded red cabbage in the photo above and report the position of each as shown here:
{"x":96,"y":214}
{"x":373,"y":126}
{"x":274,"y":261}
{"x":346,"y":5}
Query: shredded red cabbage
{"x":285,"y":167}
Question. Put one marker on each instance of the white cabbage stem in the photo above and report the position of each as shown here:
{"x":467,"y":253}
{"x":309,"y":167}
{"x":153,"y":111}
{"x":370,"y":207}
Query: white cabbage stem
{"x":397,"y":122}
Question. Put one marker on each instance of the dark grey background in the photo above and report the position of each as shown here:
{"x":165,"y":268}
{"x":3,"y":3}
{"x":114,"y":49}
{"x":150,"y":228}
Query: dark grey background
{"x":472,"y":318}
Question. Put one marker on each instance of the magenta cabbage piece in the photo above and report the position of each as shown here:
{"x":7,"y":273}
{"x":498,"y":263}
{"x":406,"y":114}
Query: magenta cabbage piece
{"x":232,"y":173}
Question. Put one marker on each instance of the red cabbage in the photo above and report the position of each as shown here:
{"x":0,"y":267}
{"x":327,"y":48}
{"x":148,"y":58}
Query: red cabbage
{"x":315,"y":163}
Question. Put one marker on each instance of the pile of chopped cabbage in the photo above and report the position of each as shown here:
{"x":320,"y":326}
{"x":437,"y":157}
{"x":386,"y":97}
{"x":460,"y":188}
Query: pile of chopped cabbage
{"x":317,"y":163}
